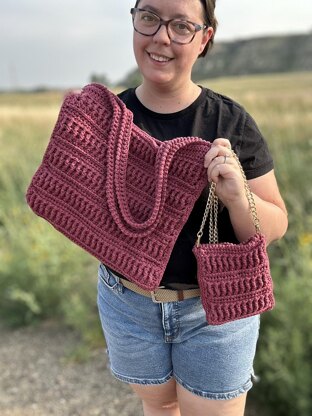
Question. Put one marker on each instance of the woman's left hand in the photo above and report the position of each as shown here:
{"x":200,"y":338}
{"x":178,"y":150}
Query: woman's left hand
{"x":223,"y":169}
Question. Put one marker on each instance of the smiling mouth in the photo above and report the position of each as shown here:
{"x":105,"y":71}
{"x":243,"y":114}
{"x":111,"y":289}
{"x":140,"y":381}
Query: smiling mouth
{"x":159,"y":58}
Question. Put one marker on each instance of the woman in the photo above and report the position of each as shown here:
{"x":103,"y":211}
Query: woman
{"x":174,"y":360}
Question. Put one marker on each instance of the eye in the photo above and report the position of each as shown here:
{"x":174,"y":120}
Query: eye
{"x":181,"y":27}
{"x":148,"y":18}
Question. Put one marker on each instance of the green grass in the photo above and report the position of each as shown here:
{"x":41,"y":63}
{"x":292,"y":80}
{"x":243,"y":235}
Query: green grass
{"x":282,"y":107}
{"x":43,"y":275}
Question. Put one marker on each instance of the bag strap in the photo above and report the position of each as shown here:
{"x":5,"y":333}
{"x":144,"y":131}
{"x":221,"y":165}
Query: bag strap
{"x":212,"y":209}
{"x":118,"y":155}
{"x":119,"y":140}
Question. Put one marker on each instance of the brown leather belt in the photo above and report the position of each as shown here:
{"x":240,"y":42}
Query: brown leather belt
{"x":161,"y":295}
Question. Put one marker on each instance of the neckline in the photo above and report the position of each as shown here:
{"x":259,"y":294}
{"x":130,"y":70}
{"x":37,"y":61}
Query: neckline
{"x":141,"y":107}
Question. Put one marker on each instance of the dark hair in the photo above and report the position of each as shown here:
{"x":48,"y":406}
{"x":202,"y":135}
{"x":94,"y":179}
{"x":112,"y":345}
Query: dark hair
{"x":210,"y":20}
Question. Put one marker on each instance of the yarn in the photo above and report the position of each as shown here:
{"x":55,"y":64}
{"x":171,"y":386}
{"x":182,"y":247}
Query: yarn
{"x":114,"y":190}
{"x":234,"y":279}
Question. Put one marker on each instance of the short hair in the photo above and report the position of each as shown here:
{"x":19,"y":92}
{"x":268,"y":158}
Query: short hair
{"x":210,"y":20}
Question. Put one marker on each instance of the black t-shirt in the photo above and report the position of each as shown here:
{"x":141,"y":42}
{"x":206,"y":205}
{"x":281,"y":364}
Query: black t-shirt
{"x":210,"y":116}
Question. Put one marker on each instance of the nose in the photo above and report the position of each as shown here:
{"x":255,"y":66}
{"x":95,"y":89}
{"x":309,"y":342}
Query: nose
{"x":162,"y":34}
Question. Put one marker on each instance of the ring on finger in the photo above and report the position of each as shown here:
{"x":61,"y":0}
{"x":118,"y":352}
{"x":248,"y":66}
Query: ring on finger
{"x":226,"y":157}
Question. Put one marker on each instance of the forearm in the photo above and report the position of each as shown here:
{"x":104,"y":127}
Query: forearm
{"x":273,"y":219}
{"x":224,"y":170}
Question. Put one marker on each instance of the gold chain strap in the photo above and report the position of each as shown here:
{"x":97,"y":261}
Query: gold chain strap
{"x":212,"y":209}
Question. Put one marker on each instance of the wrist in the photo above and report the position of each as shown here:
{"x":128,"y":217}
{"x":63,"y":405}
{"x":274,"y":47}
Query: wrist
{"x":239,"y":209}
{"x":237,"y":204}
{"x":241,"y":218}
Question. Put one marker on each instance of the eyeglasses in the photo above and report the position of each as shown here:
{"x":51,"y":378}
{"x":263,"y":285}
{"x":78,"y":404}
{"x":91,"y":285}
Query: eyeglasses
{"x":179,"y":31}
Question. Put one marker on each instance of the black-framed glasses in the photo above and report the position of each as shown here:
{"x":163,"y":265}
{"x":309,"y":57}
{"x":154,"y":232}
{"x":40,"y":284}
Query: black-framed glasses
{"x":179,"y":31}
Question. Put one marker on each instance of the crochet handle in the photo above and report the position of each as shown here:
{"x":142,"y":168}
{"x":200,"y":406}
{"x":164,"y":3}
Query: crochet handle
{"x":212,"y":209}
{"x":118,"y":153}
{"x":163,"y":160}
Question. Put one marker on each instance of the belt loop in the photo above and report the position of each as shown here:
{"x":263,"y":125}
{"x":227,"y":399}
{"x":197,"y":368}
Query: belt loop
{"x":153,"y":295}
{"x":180,"y":295}
{"x":118,"y":284}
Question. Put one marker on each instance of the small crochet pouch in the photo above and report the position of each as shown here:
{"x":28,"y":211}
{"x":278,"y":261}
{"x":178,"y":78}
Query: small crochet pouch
{"x":234,"y":279}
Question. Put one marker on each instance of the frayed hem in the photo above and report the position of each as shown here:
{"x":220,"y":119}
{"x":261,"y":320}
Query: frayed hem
{"x":216,"y":396}
{"x":142,"y":381}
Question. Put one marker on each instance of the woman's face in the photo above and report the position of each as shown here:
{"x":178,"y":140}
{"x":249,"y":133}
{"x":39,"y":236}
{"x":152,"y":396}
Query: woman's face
{"x":160,"y":60}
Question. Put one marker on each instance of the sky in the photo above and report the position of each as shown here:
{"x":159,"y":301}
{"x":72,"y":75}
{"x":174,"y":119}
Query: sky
{"x":60,"y":43}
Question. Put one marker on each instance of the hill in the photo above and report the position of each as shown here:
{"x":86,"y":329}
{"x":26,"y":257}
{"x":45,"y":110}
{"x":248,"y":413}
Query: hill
{"x":257,"y":56}
{"x":261,"y":55}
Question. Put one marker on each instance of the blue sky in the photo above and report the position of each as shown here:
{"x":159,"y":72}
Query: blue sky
{"x":61,"y":42}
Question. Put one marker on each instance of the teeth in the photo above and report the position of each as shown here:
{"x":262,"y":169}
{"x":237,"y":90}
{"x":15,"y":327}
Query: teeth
{"x":159,"y":58}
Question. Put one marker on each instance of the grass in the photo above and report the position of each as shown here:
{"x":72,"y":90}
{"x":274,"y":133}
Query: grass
{"x":43,"y":275}
{"x":282,"y":106}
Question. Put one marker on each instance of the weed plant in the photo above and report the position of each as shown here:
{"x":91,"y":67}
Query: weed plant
{"x":282,"y":106}
{"x":45,"y":276}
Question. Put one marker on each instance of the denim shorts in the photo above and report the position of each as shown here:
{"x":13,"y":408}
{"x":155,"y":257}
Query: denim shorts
{"x":149,"y":343}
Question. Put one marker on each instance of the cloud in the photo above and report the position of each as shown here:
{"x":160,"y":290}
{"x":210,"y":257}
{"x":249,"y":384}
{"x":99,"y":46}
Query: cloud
{"x":61,"y":42}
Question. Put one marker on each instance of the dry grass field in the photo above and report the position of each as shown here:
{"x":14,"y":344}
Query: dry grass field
{"x":44,"y":277}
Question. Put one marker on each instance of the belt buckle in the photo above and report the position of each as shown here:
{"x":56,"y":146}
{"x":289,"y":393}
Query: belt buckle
{"x":153,"y":294}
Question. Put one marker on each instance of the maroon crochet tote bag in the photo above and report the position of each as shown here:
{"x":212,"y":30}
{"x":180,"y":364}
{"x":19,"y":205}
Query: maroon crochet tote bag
{"x":117,"y":192}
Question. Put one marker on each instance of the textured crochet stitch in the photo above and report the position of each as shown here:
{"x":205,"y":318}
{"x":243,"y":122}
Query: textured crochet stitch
{"x":234,"y":279}
{"x":114,"y":190}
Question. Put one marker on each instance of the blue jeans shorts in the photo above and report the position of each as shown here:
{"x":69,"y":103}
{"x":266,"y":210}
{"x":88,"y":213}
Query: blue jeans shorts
{"x":149,"y":343}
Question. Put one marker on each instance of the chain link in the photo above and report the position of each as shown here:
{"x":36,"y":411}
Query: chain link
{"x":249,"y":195}
{"x":212,"y":209}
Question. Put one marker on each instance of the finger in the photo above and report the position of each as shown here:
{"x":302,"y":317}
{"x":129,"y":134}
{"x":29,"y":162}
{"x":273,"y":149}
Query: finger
{"x":226,"y":164}
{"x":214,"y":153}
{"x":222,"y":159}
{"x":221,"y":165}
{"x":215,"y":172}
{"x":221,"y":171}
{"x":221,"y":141}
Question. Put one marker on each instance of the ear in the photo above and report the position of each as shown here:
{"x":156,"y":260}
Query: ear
{"x":207,"y":35}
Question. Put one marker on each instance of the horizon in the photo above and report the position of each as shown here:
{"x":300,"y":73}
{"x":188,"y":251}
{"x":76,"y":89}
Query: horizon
{"x":96,"y":38}
{"x":50,"y":88}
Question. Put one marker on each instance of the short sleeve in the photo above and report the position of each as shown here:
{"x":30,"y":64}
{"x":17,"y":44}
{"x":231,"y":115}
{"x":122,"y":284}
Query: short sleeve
{"x":253,"y":152}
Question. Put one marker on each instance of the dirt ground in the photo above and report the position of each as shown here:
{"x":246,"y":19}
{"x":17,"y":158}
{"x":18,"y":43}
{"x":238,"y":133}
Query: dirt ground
{"x":36,"y":378}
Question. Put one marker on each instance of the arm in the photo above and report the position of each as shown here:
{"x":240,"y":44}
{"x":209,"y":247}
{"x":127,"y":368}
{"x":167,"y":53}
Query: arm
{"x":230,"y":190}
{"x":271,"y":210}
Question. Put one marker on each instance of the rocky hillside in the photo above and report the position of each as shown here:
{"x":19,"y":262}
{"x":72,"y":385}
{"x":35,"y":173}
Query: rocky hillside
{"x":257,"y":56}
{"x":250,"y":56}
